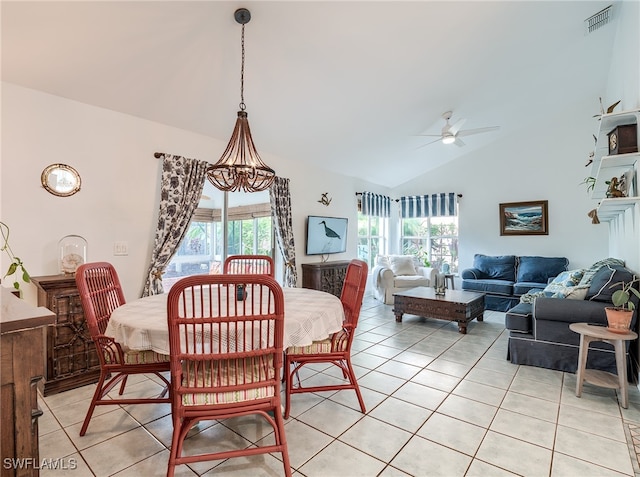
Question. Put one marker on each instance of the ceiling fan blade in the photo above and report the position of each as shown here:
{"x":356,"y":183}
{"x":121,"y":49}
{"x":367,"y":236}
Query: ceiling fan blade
{"x":430,"y":142}
{"x":426,"y":135}
{"x":456,"y":126}
{"x":469,"y":132}
{"x":459,"y":142}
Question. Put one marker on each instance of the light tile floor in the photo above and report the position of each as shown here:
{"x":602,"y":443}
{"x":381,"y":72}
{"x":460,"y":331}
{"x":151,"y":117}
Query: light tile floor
{"x":438,"y":403}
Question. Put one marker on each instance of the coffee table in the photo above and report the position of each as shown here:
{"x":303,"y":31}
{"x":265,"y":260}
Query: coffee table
{"x":454,"y":305}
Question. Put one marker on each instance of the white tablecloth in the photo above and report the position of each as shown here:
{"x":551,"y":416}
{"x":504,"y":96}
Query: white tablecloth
{"x":309,"y":315}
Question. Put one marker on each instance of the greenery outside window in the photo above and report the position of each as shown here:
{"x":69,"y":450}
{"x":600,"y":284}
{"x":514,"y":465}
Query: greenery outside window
{"x":435,"y":237}
{"x":373,"y":233}
{"x":249,"y":231}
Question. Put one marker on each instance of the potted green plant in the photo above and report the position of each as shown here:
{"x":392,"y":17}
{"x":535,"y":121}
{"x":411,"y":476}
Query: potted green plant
{"x":16,"y":267}
{"x":619,"y":316}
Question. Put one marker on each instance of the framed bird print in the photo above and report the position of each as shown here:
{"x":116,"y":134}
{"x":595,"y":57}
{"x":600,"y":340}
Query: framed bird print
{"x":326,"y":235}
{"x":524,"y":218}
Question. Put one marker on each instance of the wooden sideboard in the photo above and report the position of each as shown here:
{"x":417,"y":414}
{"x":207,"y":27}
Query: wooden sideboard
{"x":72,"y":360}
{"x":21,"y":369}
{"x":325,"y":276}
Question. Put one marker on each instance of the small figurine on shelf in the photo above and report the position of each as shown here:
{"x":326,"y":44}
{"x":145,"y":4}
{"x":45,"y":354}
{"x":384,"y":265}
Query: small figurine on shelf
{"x":614,"y":189}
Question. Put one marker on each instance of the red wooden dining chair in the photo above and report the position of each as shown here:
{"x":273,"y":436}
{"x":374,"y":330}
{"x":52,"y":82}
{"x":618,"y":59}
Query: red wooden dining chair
{"x":100,"y":294}
{"x":226,"y":360}
{"x":260,"y":264}
{"x":336,"y":349}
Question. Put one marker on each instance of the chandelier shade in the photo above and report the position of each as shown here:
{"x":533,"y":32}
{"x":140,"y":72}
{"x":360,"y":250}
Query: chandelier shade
{"x":240,"y":167}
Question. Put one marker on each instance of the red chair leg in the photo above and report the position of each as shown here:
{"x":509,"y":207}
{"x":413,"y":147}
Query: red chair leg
{"x":96,"y":395}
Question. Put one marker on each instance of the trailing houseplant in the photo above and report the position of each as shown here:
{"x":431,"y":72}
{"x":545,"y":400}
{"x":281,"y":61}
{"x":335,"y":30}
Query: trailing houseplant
{"x":16,"y":267}
{"x":619,"y":316}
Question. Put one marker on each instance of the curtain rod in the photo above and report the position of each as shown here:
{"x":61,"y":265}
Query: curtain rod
{"x":398,"y":200}
{"x":158,"y":155}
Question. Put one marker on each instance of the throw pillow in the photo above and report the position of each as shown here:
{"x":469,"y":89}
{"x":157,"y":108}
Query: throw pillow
{"x":578,"y":293}
{"x":383,"y":261}
{"x":602,"y":284}
{"x":564,"y":284}
{"x":402,"y":265}
{"x":599,"y":265}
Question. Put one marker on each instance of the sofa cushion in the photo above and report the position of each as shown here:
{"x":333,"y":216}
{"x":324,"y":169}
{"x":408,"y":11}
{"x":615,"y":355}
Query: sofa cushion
{"x":500,"y":287}
{"x":402,"y":265}
{"x":602,"y":284}
{"x":502,"y":267}
{"x":408,"y":281}
{"x":527,"y":287}
{"x":540,"y":269}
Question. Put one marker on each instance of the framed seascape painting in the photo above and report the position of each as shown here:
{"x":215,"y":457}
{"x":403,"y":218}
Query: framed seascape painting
{"x":524,"y":218}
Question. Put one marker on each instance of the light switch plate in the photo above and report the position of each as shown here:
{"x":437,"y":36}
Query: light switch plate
{"x":120,"y":248}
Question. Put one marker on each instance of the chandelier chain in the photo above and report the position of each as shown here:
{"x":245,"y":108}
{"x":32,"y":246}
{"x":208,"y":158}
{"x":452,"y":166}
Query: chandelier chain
{"x":242,"y":105}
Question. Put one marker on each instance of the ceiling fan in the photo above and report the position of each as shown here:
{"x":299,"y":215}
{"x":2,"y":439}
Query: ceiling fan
{"x":451,"y":133}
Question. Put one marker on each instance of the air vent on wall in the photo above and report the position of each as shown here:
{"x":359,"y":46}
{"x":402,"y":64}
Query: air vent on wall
{"x":598,"y":20}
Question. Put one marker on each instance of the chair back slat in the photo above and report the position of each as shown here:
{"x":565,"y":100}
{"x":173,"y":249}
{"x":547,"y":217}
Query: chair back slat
{"x":353,"y":289}
{"x":100,"y":293}
{"x":249,"y":264}
{"x":224,"y":342}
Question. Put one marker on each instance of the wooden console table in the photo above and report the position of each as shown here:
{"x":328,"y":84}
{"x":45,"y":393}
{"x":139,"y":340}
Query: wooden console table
{"x":22,"y":367}
{"x":325,"y":276}
{"x":72,"y":360}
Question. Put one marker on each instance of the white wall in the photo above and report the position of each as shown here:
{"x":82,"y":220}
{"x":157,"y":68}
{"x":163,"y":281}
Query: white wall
{"x":118,"y":201}
{"x":542,"y":160}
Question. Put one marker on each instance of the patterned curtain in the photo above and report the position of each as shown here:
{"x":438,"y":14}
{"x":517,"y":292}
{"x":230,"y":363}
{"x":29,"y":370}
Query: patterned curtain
{"x":434,"y":205}
{"x":181,"y":189}
{"x":283,"y":225}
{"x":376,"y":205}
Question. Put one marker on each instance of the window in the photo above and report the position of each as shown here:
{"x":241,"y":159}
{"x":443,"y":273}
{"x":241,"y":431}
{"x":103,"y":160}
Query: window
{"x":372,"y":237}
{"x":433,"y":238}
{"x":250,"y":231}
{"x":373,"y":226}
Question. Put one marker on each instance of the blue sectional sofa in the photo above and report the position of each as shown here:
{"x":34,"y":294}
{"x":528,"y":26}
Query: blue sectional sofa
{"x":539,"y":333}
{"x":505,"y":278}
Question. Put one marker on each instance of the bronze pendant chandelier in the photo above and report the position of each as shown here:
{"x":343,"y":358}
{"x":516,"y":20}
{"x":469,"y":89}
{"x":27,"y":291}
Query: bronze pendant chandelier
{"x":240,"y":167}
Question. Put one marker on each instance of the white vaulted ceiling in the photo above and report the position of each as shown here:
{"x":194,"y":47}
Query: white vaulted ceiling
{"x":343,"y":85}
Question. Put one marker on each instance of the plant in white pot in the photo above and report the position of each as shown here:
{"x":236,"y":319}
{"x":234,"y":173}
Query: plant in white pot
{"x":619,"y":316}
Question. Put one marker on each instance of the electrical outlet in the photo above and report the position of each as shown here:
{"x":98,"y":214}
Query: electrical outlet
{"x":120,"y":248}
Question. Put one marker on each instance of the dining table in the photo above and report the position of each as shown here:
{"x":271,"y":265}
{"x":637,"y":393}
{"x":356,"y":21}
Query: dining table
{"x":309,"y":315}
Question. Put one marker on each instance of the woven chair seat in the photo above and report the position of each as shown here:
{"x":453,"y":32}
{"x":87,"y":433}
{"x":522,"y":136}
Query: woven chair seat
{"x":223,"y":375}
{"x":144,"y":357}
{"x":132,"y":356}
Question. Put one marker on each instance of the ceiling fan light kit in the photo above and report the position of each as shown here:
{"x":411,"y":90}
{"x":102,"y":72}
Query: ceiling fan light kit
{"x":451,"y":133}
{"x":448,"y":138}
{"x":240,"y":167}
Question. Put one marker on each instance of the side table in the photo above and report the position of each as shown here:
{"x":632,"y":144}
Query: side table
{"x":589,"y":333}
{"x":450,"y":278}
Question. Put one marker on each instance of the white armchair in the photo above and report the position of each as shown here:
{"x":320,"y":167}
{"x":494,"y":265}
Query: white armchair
{"x":394,"y":273}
